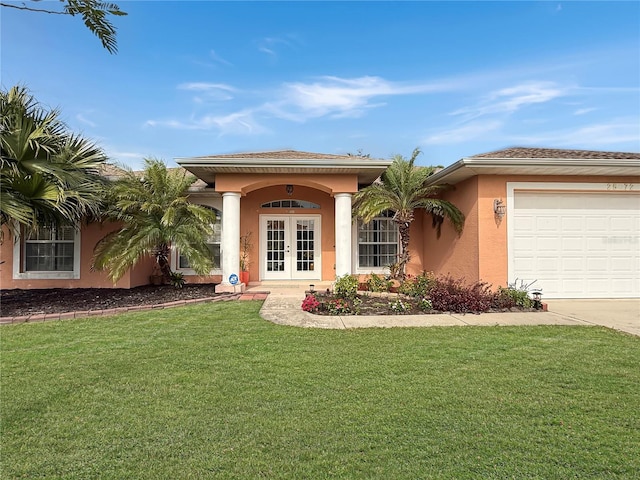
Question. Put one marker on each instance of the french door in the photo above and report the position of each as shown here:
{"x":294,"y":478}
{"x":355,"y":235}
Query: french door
{"x":290,"y":247}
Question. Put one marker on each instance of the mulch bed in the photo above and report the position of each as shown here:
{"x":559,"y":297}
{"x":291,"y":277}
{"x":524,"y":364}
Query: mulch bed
{"x":15,"y":303}
{"x":381,"y":304}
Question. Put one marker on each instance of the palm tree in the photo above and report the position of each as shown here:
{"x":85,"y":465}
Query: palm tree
{"x":155,"y":214}
{"x":402,"y":189}
{"x":48,"y":176}
{"x":94,"y":14}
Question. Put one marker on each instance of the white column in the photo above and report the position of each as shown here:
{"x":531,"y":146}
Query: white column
{"x":343,"y":233}
{"x":230,"y":241}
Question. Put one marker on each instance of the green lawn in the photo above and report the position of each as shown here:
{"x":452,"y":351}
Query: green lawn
{"x":214,"y":391}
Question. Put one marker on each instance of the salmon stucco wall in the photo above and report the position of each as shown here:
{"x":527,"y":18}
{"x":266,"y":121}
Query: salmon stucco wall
{"x":89,"y":236}
{"x":450,"y":253}
{"x":245,"y":183}
{"x":250,"y":211}
{"x":481,"y":253}
{"x":416,"y":246}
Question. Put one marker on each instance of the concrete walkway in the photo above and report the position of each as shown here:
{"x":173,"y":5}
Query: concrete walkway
{"x":282,"y":306}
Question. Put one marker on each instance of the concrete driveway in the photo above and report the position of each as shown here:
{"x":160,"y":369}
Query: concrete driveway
{"x":620,"y":314}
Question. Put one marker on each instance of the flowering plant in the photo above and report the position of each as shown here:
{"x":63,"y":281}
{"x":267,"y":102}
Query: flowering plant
{"x":310,"y":304}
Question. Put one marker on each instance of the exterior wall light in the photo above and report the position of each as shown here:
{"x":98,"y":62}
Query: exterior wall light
{"x":289,"y":190}
{"x":499,"y":208}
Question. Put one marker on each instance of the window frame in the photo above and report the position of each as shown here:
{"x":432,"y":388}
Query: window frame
{"x":358,"y":269}
{"x":20,"y":261}
{"x":175,"y":257}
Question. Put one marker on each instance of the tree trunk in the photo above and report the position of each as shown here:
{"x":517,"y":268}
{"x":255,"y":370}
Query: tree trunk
{"x":162,"y":258}
{"x":403,"y":228}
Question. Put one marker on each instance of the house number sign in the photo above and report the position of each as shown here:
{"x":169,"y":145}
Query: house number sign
{"x":623,"y":186}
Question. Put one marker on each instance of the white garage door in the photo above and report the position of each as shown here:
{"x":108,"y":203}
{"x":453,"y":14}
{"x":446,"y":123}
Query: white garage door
{"x":577,"y":245}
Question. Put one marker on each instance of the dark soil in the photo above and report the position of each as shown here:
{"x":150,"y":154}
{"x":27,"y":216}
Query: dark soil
{"x":368,"y":304}
{"x":15,"y":303}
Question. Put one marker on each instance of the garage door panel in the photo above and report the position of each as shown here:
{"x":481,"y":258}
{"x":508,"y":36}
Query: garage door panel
{"x":596,"y":265}
{"x":596,"y":223}
{"x":545,"y":264}
{"x":622,"y":264}
{"x":595,"y":244}
{"x":525,"y":244}
{"x":581,"y":244}
{"x":621,"y":224}
{"x":546,"y":244}
{"x":572,"y":286}
{"x":571,"y":264}
{"x":572,"y":244}
{"x":547,"y":224}
{"x":572,"y":224}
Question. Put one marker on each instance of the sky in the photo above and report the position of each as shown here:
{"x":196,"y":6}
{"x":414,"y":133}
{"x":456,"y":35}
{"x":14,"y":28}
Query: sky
{"x":453,"y":78}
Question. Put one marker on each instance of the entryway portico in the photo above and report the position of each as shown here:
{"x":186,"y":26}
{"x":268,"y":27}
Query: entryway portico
{"x":297,"y":205}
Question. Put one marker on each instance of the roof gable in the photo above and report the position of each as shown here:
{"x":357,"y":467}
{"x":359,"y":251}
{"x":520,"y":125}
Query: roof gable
{"x":540,"y":161}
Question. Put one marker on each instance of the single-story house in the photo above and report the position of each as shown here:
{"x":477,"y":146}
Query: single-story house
{"x":567,"y":219}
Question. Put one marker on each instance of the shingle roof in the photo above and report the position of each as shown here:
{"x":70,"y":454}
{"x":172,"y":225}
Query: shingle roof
{"x":282,"y":154}
{"x":110,"y":171}
{"x":523,"y":152}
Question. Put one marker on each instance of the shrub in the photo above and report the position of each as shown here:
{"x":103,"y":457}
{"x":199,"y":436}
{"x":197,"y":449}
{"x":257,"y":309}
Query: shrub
{"x":512,"y":297}
{"x":310,"y":304}
{"x":177,"y":279}
{"x":453,"y":295}
{"x":338,"y":306}
{"x":425,"y":305}
{"x":377,"y":283}
{"x":346,"y":286}
{"x":398,"y":306}
{"x":418,"y":286}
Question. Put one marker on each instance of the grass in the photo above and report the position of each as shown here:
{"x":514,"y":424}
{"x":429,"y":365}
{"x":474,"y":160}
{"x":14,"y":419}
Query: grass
{"x":214,"y":391}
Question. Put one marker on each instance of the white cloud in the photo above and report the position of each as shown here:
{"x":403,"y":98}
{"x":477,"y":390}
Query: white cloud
{"x":462,"y":134}
{"x":269,"y":45}
{"x":623,"y":131}
{"x":582,"y":111}
{"x":217,"y":58}
{"x":209,"y":91}
{"x":511,"y":99}
{"x":134,"y":160}
{"x":81,"y":118}
{"x":237,"y":123}
{"x":340,"y":97}
{"x":328,"y":96}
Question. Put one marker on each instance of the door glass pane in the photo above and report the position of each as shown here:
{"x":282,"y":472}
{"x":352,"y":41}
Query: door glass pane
{"x":305,"y":246}
{"x":275,"y":245}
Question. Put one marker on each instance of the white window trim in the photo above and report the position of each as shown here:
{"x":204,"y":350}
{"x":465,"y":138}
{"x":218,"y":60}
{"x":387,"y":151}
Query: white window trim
{"x":561,"y":187}
{"x":19,"y":274}
{"x":175,"y":254}
{"x":356,"y":257}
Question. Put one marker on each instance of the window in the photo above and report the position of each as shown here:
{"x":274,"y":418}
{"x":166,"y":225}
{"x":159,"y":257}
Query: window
{"x":50,"y":249}
{"x":213,"y":243}
{"x":47,"y":253}
{"x":290,"y":204}
{"x":377,"y":242}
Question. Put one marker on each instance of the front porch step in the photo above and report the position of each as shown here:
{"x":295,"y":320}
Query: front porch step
{"x":298,"y":284}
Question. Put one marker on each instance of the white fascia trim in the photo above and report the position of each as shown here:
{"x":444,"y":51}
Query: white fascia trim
{"x":475,"y":165}
{"x":512,"y":187}
{"x":18,"y":274}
